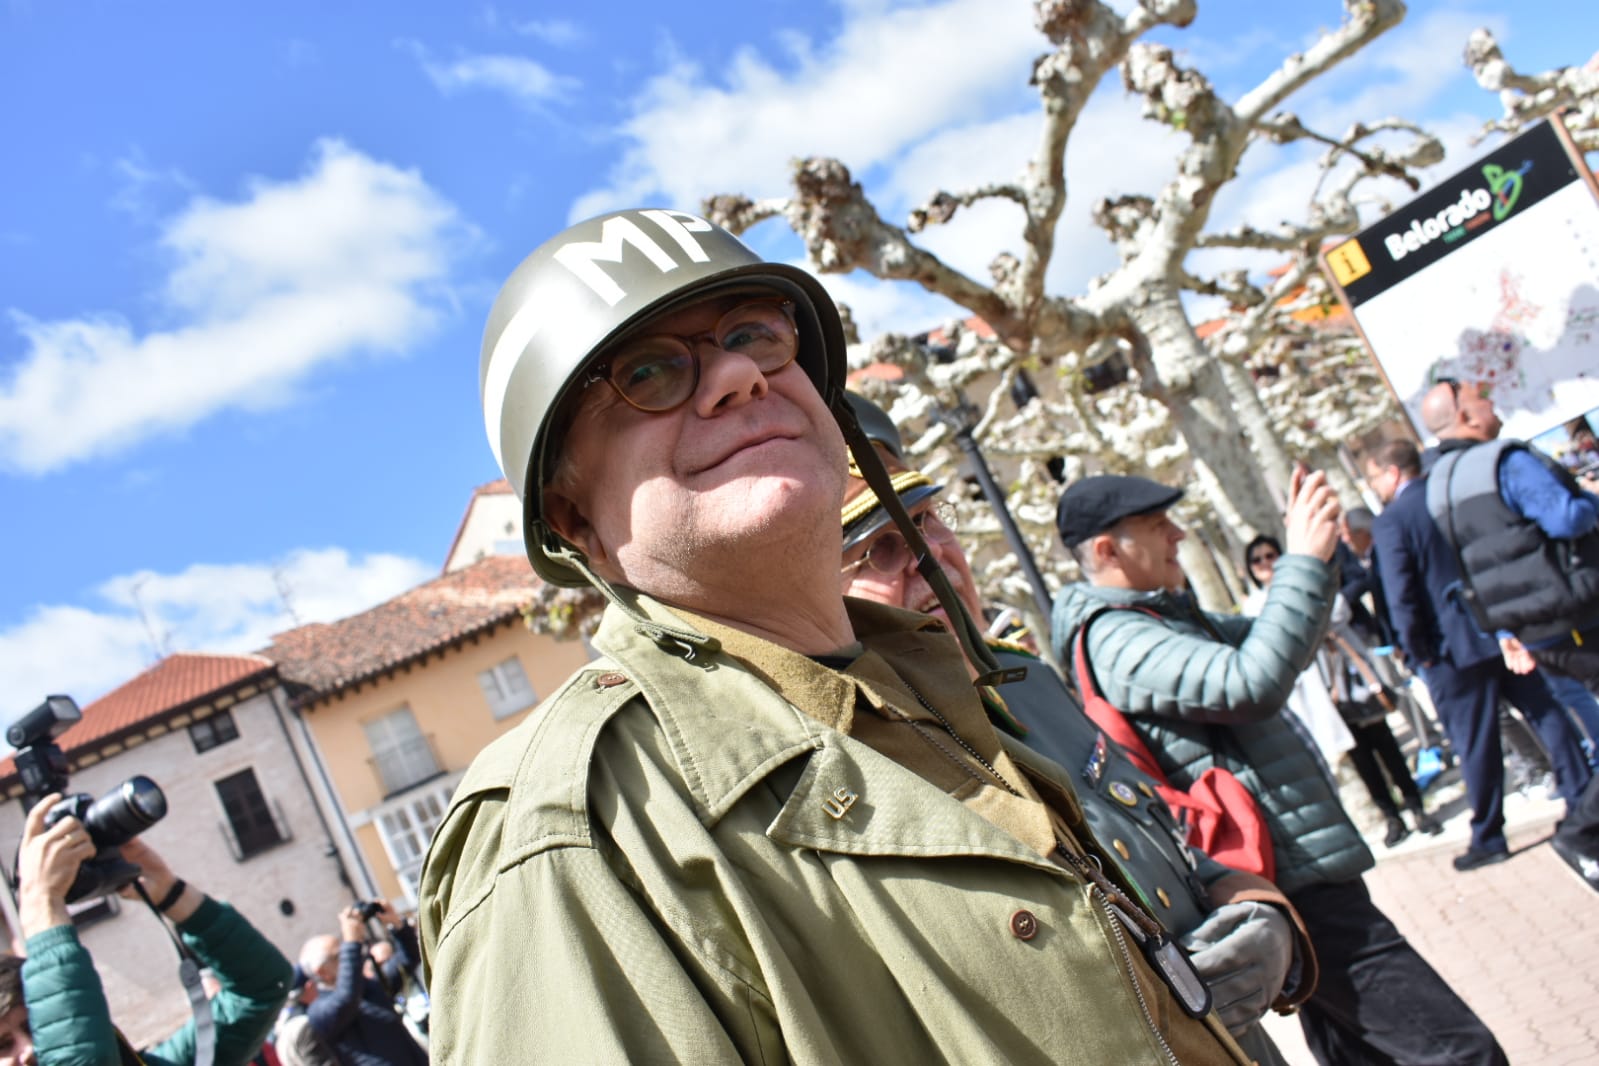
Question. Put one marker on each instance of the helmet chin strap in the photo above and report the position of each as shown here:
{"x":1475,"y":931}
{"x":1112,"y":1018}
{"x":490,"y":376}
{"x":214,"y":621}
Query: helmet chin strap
{"x":678,"y":640}
{"x":989,"y":672}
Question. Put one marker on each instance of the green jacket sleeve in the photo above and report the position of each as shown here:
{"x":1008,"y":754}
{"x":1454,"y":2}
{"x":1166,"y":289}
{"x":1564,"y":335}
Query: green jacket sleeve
{"x":255,"y":982}
{"x":562,"y":942}
{"x":1145,"y":665}
{"x":67,"y":1010}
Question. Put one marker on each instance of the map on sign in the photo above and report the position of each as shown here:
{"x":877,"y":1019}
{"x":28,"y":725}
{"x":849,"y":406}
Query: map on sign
{"x":1491,"y":278}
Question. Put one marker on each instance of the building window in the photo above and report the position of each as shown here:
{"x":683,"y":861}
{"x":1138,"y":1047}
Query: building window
{"x":219,"y":728}
{"x":407,"y":825}
{"x":401,"y":755}
{"x":254,"y":830}
{"x":506,"y":688}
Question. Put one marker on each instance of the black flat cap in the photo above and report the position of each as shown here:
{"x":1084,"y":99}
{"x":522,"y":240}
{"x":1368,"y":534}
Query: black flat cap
{"x":1096,"y":503}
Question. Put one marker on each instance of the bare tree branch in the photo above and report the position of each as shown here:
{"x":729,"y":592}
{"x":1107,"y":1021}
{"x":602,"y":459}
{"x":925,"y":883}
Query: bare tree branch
{"x":1233,"y":286}
{"x":941,"y":207}
{"x":1123,"y":379}
{"x":1285,"y":128}
{"x":1365,"y":20}
{"x":738,"y":213}
{"x":1527,"y":98}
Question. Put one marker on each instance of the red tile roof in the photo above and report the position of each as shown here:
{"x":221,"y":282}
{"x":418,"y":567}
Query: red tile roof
{"x":975,"y":324}
{"x":330,"y":657}
{"x":183,"y":678}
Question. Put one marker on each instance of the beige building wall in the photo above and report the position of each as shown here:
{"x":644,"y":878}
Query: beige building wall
{"x":454,"y":720}
{"x":290,"y":891}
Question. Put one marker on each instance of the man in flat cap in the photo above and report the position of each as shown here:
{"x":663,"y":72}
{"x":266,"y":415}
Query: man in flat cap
{"x":1205,"y":690}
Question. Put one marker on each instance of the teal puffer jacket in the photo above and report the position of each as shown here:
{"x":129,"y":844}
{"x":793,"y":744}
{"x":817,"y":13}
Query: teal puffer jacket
{"x":1195,"y":684}
{"x":71,"y":1023}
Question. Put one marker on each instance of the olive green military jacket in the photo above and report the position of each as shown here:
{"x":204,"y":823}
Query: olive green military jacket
{"x":669,"y":863}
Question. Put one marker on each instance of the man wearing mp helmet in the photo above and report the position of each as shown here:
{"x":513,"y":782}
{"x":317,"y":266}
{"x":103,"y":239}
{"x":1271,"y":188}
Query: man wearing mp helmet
{"x":766,"y":824}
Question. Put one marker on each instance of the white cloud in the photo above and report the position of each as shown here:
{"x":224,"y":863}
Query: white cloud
{"x":345,"y":259}
{"x":888,"y":79}
{"x":880,"y":307}
{"x":526,"y":82}
{"x":560,"y":32}
{"x":143,"y":186}
{"x":85,"y":651}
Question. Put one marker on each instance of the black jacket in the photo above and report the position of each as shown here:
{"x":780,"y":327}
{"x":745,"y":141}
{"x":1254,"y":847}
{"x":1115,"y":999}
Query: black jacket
{"x":1516,"y":577}
{"x":1421,"y":583}
{"x":358,"y":1020}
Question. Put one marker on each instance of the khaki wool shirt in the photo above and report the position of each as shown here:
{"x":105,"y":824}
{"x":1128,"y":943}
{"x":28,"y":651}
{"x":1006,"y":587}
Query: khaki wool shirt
{"x":745,"y":856}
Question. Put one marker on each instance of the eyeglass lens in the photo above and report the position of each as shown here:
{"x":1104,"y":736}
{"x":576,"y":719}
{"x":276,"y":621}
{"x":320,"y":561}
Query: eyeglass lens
{"x":659,"y":371}
{"x":889,"y":553}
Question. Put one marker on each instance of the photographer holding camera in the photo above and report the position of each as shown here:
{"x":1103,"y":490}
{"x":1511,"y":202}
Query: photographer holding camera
{"x":52,"y":1006}
{"x":353,"y":1014}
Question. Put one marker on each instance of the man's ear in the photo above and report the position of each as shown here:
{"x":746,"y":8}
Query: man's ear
{"x":572,"y":526}
{"x":1102,"y":549}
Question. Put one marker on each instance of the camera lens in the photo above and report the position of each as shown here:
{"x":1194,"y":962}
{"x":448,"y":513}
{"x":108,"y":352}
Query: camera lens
{"x":119,"y":816}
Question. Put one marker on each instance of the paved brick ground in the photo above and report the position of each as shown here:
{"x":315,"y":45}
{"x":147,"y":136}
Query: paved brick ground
{"x":1519,"y":941}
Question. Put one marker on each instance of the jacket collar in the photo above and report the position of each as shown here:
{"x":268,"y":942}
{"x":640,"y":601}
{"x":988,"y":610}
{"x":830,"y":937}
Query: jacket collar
{"x":719,"y":744}
{"x":1085,"y":597}
{"x":728,"y":745}
{"x":1456,"y":444}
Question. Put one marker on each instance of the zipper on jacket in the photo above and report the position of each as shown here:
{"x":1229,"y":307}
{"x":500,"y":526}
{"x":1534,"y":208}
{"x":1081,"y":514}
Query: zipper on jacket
{"x":1132,"y":972}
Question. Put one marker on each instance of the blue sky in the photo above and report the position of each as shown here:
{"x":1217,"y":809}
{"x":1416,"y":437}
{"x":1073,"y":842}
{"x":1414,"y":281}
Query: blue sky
{"x":246,"y":250}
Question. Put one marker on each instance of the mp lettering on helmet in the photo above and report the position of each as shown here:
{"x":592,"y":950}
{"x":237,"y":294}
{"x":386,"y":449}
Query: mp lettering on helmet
{"x":584,"y":258}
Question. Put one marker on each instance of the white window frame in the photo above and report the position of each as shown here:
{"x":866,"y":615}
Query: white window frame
{"x":507,"y":688}
{"x":407,"y":845}
{"x":408,"y":748}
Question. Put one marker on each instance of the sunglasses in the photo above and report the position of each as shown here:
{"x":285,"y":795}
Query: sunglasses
{"x":1477,"y":390}
{"x":657,"y":372}
{"x":1264,"y":557}
{"x":888,"y":553}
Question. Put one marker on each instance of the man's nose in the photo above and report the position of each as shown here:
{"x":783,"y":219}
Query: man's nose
{"x":727,"y":379}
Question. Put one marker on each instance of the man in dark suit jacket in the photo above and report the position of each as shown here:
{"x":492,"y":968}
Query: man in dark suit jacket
{"x":1357,"y":576}
{"x":1463,"y":667}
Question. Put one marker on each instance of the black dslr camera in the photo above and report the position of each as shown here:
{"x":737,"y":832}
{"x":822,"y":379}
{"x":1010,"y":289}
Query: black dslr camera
{"x":111,"y":821}
{"x":369,"y":909}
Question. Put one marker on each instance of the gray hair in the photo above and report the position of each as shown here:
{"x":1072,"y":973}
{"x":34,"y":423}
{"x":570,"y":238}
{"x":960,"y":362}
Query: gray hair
{"x":1359,"y":519}
{"x":317,"y":951}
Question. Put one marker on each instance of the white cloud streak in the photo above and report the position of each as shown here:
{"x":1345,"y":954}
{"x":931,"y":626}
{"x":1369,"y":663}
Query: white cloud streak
{"x":528,"y":83}
{"x":85,"y":651}
{"x":560,"y":32}
{"x":890,"y":78}
{"x":345,"y":259}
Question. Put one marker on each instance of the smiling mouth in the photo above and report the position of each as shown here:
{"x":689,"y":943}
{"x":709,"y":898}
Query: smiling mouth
{"x":745,"y":446}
